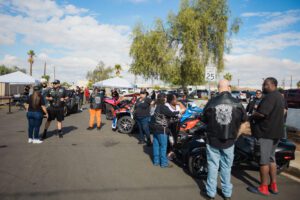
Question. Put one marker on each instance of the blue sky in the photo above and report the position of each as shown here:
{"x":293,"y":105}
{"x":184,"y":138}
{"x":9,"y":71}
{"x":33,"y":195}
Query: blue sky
{"x":75,"y":35}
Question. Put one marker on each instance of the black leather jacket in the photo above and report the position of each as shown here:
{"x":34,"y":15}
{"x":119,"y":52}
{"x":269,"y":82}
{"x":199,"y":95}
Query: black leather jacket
{"x":224,"y":115}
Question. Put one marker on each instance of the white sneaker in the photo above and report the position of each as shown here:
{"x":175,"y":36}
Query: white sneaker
{"x":37,"y":141}
{"x":30,"y":140}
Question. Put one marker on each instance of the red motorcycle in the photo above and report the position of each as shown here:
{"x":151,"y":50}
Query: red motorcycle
{"x":121,"y":113}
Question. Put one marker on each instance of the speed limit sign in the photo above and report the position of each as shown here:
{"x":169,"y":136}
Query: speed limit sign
{"x":210,"y":73}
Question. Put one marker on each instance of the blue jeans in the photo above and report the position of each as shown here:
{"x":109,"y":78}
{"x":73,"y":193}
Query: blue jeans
{"x":160,"y":143}
{"x":224,"y":159}
{"x":34,"y":123}
{"x":143,"y":124}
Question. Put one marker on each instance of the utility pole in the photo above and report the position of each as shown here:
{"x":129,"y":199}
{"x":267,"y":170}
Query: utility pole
{"x":54,"y":73}
{"x":291,"y":84}
{"x":45,"y":67}
{"x":238,"y":83}
{"x":283,"y":84}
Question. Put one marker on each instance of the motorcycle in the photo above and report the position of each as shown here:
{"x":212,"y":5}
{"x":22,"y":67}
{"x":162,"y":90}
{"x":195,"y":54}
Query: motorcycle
{"x":190,"y":151}
{"x":122,"y":116}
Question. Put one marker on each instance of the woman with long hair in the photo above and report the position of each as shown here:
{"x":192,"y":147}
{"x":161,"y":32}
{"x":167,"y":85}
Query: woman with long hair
{"x":160,"y":127}
{"x":35,"y":111}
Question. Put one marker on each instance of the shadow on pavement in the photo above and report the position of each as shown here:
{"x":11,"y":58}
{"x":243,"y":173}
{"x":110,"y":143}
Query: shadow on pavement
{"x":65,"y":130}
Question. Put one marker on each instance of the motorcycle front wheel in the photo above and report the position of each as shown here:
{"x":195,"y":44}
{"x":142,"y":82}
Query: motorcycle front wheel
{"x":125,"y":124}
{"x":197,"y":164}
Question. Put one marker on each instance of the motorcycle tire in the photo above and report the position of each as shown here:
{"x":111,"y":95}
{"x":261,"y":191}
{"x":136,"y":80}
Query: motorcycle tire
{"x":125,"y":124}
{"x":66,"y":112}
{"x":282,"y":167}
{"x":197,"y":164}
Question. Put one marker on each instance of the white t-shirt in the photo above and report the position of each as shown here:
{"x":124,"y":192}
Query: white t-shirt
{"x":177,"y":108}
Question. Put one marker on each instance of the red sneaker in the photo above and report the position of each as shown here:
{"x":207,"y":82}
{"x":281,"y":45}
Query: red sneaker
{"x":262,"y":190}
{"x":273,"y":188}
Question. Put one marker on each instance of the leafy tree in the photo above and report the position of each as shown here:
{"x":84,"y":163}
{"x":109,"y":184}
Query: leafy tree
{"x":298,"y":84}
{"x":99,"y":73}
{"x":178,"y":51}
{"x":228,"y":76}
{"x":31,"y":55}
{"x":66,"y":84}
{"x":6,"y":70}
{"x":118,"y":69}
{"x":47,"y":77}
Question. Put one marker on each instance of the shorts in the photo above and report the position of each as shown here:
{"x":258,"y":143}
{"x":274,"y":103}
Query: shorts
{"x":56,"y":113}
{"x":267,"y":150}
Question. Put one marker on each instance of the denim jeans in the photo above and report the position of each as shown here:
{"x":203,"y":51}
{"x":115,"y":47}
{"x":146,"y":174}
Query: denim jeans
{"x":34,"y":123}
{"x":160,"y":143}
{"x":224,"y":159}
{"x":143,"y":124}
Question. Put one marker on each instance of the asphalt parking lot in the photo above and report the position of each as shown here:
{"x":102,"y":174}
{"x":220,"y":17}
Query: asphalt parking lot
{"x":99,"y":165}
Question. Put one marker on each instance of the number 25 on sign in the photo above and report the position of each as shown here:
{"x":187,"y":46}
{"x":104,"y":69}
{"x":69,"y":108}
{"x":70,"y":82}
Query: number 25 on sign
{"x":210,"y":74}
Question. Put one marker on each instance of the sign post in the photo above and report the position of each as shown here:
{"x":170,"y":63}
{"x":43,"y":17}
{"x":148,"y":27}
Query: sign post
{"x":210,"y":76}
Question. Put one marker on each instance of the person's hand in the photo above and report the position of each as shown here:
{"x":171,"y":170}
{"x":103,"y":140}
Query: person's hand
{"x":46,"y":115}
{"x":62,"y":99}
{"x":50,"y":98}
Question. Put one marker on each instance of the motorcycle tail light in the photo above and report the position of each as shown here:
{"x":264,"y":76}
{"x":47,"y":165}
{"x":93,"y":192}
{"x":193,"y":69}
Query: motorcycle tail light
{"x":288,"y":157}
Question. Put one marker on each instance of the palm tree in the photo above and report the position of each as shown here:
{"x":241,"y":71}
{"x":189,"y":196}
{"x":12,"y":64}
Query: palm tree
{"x":298,"y":84}
{"x":118,"y":69}
{"x":31,"y":54}
{"x":228,"y":76}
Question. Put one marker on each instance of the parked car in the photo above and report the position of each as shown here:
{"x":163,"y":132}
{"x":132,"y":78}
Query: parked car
{"x":72,"y":103}
{"x":241,"y":95}
{"x":199,"y":94}
{"x":293,"y":97}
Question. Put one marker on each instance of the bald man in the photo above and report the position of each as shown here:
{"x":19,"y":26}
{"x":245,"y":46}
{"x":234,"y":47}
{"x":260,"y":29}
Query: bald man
{"x":223,"y":115}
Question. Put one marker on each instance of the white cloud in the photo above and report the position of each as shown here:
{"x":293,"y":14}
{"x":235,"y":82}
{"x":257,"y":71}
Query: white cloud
{"x":274,"y":21}
{"x":76,"y":39}
{"x":251,"y":68}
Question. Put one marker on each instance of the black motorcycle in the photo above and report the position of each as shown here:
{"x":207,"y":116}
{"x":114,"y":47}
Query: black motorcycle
{"x":190,"y":151}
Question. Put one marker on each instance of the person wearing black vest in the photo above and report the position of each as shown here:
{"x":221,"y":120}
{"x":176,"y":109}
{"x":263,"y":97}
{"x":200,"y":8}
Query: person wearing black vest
{"x":268,"y":128}
{"x":56,"y":97}
{"x":223,"y":115}
{"x":95,"y":108}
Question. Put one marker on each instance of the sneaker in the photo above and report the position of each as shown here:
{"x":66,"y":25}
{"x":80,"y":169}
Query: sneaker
{"x":29,"y":140}
{"x":98,"y":128}
{"x":273,"y":188}
{"x":89,"y":128}
{"x":262,"y":190}
{"x":167,"y":166}
{"x":60,"y":135}
{"x":36,"y":141}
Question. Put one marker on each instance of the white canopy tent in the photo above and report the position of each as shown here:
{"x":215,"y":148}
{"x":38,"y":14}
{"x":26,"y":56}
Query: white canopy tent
{"x":18,"y":78}
{"x":116,"y":82}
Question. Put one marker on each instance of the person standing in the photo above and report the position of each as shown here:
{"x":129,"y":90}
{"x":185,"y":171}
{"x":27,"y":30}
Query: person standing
{"x":142,"y":114}
{"x":174,"y":106}
{"x":35,"y":108}
{"x":268,"y":128}
{"x":159,"y":125}
{"x":86,"y":94}
{"x":56,"y":97}
{"x":95,"y":109}
{"x":223,"y":115}
{"x":253,"y":105}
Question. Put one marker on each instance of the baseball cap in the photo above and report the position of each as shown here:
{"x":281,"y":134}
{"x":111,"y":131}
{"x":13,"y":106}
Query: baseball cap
{"x":56,"y":82}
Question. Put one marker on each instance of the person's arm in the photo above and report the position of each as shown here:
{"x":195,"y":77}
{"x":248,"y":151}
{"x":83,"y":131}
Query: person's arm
{"x":167,"y":112}
{"x":264,"y":109}
{"x":182,"y":108}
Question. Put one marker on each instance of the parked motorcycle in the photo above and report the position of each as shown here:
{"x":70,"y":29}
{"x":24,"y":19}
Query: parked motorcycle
{"x":190,"y":151}
{"x":122,"y":117}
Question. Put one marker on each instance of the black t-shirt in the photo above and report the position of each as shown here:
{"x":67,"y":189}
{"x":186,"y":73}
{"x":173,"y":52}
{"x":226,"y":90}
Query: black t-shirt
{"x":39,"y":108}
{"x":142,"y":107}
{"x":271,"y":126}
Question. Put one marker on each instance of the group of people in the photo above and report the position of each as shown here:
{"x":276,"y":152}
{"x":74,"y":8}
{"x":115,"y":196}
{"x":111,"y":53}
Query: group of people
{"x":223,"y":115}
